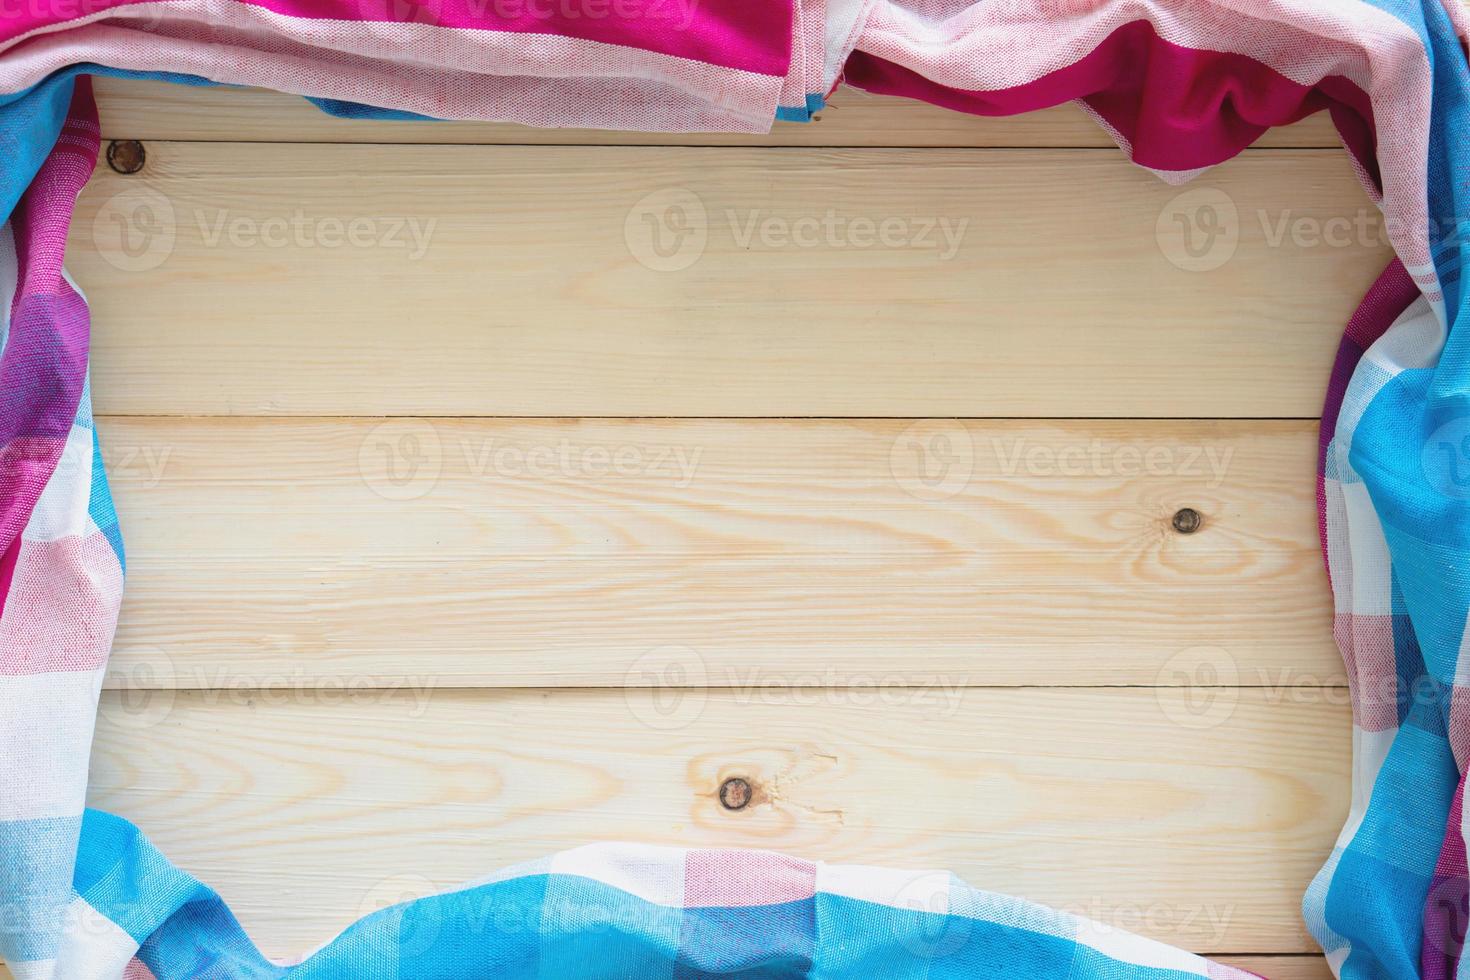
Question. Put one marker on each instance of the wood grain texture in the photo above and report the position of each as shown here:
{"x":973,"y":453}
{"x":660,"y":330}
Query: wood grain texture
{"x":363,"y":656}
{"x":295,"y":806}
{"x":534,"y":289}
{"x":562,"y":552}
{"x":1306,"y":966}
{"x":134,"y":109}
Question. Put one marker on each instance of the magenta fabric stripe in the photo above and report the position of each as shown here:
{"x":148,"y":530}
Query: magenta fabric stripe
{"x":1178,"y":108}
{"x":749,"y":35}
{"x":1447,"y":909}
{"x":43,"y":368}
{"x":1390,"y":294}
{"x":435,"y":71}
{"x":8,"y":559}
{"x":1188,"y":121}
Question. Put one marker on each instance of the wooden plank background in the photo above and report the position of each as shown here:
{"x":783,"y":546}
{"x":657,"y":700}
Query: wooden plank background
{"x":523,"y":554}
{"x":445,"y":557}
{"x":1057,"y":302}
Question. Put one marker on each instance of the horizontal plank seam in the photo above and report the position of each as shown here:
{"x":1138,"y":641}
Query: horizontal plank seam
{"x":348,"y":417}
{"x":1272,"y":954}
{"x":723,"y":148}
{"x":306,"y":684}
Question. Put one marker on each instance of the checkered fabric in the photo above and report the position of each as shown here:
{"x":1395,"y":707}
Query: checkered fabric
{"x":1179,"y":84}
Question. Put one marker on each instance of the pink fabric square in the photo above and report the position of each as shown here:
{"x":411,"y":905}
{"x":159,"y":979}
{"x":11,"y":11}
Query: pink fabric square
{"x":138,"y":970}
{"x":1366,"y":642}
{"x":729,"y":878}
{"x":62,"y":607}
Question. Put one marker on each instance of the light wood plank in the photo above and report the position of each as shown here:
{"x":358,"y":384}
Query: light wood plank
{"x":561,"y":552}
{"x":134,"y":109}
{"x":528,"y":300}
{"x":1308,"y":966}
{"x":1099,"y":801}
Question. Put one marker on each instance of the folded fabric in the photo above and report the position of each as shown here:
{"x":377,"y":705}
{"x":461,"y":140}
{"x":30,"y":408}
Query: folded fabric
{"x":1179,"y":84}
